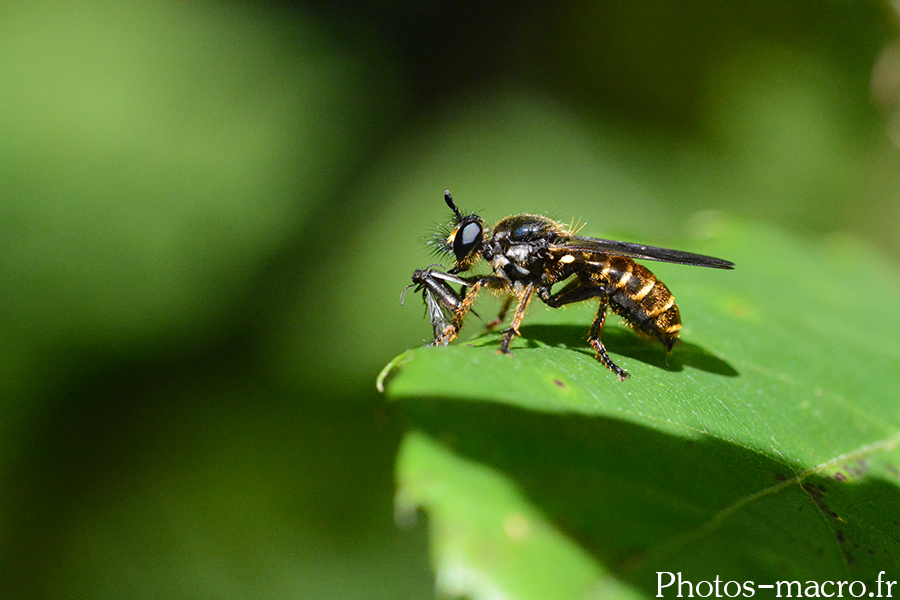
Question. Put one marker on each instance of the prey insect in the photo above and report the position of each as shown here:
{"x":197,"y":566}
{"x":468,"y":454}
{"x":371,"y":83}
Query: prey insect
{"x":441,"y":300}
{"x":528,"y":255}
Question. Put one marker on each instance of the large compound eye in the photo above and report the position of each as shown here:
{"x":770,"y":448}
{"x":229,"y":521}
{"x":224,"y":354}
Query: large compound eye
{"x":468,"y":237}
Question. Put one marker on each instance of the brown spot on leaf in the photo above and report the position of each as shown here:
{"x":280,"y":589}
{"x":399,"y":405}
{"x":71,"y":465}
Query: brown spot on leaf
{"x":817,"y":495}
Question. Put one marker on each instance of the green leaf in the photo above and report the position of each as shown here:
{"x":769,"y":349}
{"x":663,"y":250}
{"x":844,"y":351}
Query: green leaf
{"x":764,"y":449}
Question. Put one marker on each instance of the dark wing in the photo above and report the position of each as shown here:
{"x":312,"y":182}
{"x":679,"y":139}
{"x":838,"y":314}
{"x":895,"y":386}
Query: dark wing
{"x":586,"y":244}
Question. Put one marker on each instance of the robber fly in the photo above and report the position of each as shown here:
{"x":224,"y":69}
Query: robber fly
{"x":529,"y":254}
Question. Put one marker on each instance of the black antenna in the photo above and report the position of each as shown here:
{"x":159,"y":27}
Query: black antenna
{"x":449,"y":200}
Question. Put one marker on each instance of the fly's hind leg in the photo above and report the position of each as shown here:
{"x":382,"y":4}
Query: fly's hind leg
{"x":594,"y":339}
{"x":580,"y":290}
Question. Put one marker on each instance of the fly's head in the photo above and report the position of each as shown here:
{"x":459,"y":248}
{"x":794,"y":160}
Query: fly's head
{"x":464,"y":239}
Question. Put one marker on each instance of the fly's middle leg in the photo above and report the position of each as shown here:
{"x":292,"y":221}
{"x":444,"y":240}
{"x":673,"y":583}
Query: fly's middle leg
{"x":513,"y":331}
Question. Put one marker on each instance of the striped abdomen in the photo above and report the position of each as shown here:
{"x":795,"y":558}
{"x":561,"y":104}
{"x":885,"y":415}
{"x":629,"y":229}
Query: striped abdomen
{"x":640,"y":298}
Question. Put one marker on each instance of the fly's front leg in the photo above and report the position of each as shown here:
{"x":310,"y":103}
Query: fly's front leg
{"x":459,"y":314}
{"x":513,"y":331}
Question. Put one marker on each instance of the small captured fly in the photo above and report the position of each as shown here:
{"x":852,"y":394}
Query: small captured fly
{"x":441,"y":300}
{"x":528,"y":255}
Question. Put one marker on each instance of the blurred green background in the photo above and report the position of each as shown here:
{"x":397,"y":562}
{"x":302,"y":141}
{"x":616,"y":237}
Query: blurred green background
{"x":208,"y":212}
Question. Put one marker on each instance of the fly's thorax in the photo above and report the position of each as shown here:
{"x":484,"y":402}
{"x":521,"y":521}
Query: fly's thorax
{"x":518,"y":246}
{"x":527,"y":228}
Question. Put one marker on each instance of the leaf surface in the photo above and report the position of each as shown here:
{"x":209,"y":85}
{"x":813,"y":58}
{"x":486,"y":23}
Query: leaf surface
{"x":763,"y":449}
